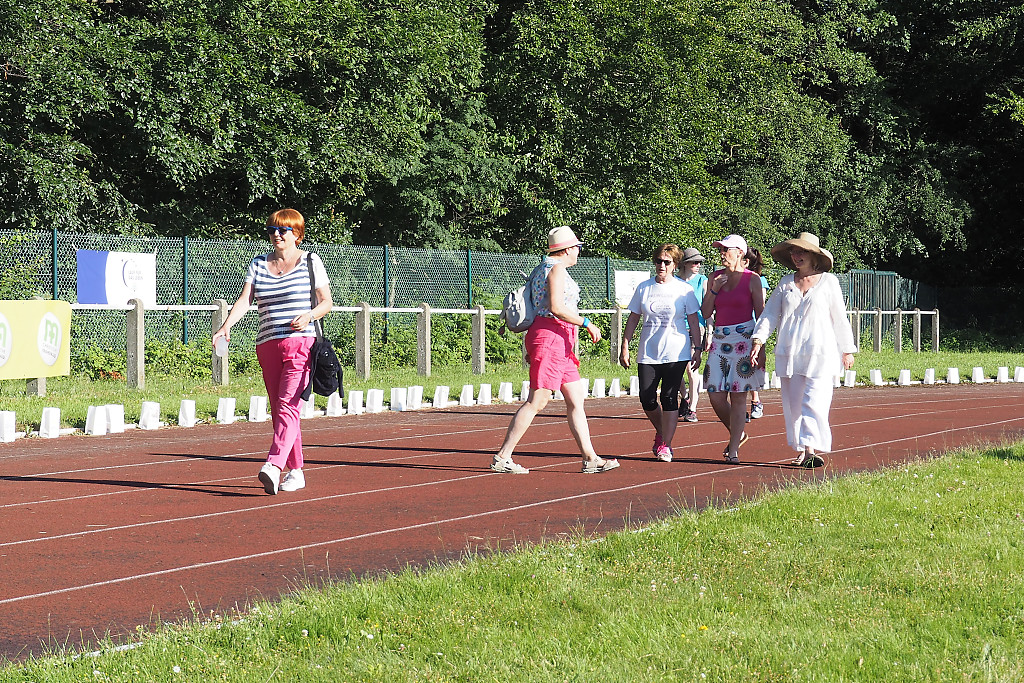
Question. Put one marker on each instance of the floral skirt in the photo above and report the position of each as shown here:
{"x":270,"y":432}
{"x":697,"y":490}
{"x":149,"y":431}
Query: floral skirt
{"x":728,"y":367}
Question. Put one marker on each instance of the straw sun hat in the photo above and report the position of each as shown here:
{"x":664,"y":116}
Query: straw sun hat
{"x":808,"y":242}
{"x":562,"y":237}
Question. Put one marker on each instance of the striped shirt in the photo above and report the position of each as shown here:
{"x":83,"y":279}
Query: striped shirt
{"x":279,"y":298}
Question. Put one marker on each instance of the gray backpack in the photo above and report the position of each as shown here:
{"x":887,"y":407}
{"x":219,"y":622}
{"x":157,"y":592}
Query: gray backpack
{"x":517,"y":308}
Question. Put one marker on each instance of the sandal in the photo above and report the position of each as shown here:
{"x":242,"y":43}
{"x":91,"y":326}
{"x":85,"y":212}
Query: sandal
{"x":802,"y":460}
{"x":736,"y":458}
{"x":598,"y":466}
{"x":508,"y":467}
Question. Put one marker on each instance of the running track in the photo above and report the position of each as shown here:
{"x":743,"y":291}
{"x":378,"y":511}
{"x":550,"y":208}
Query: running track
{"x":101,"y":534}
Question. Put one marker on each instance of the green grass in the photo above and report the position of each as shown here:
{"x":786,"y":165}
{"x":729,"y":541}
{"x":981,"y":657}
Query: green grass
{"x":908,"y":574}
{"x":73,"y":395}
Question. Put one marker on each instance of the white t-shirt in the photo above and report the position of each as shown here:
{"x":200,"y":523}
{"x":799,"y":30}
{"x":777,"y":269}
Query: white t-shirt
{"x":664,"y":307}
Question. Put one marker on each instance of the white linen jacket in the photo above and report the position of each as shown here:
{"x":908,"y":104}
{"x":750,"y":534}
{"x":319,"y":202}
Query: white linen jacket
{"x":813,"y":330}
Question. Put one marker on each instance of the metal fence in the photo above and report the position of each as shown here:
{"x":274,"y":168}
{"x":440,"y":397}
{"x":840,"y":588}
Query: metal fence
{"x":191,"y":271}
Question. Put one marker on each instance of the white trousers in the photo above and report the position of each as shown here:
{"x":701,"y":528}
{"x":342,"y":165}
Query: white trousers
{"x":805,"y":405}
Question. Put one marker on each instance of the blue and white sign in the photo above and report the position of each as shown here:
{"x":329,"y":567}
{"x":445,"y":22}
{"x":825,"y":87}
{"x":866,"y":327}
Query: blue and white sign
{"x":116,"y":277}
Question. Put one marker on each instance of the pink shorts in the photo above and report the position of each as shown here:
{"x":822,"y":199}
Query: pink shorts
{"x":549,"y":344}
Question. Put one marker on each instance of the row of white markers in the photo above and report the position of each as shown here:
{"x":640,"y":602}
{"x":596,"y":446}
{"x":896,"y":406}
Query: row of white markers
{"x":109,"y":419}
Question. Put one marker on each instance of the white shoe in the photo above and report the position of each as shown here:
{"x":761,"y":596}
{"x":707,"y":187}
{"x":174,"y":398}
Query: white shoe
{"x":508,"y":467}
{"x":270,"y":476}
{"x":293,"y":481}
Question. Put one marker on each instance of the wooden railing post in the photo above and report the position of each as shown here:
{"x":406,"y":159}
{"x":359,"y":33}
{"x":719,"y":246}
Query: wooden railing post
{"x":877,"y":329}
{"x":916,"y":334}
{"x":423,"y":341}
{"x":615,"y":336}
{"x":479,"y":337}
{"x":136,"y":343}
{"x":219,"y":364}
{"x":897,"y":341}
{"x":363,"y":341}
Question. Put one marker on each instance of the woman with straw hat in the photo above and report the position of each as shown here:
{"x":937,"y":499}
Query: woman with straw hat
{"x":814,"y":341}
{"x":553,"y":364}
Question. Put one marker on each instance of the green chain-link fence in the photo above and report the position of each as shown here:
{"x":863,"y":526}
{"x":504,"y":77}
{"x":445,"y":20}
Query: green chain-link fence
{"x":192,"y":271}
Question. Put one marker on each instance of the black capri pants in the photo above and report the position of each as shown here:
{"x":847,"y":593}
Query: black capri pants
{"x":671,"y":377}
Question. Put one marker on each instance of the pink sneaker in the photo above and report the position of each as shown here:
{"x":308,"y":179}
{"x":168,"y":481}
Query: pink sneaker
{"x":664,"y":453}
{"x":658,"y":444}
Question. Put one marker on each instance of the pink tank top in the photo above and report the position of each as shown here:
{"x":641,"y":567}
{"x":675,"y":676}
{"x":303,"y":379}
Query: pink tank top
{"x":737,"y":306}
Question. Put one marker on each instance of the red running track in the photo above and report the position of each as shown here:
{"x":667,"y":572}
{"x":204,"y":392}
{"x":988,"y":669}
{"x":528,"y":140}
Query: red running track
{"x":101,"y":534}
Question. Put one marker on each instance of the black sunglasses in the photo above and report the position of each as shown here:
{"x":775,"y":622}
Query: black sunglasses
{"x":279,"y":229}
{"x":664,"y":262}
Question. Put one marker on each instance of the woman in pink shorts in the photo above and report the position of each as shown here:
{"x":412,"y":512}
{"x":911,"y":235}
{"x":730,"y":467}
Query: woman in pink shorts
{"x":549,"y":345}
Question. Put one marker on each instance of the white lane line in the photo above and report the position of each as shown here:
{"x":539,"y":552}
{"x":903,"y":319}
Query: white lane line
{"x":450,"y":520}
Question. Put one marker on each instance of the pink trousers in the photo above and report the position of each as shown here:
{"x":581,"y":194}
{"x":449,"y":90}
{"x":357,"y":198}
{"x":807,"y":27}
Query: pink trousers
{"x":285,"y":365}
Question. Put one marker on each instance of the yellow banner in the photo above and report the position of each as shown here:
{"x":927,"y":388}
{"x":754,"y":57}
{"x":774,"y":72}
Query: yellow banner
{"x":35,"y":339}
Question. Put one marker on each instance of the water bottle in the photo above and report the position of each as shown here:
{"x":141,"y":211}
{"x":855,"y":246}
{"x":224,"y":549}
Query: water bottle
{"x":220,"y":347}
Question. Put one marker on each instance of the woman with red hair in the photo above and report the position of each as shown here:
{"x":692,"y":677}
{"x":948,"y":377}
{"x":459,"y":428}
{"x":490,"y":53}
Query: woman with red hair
{"x":279,"y":283}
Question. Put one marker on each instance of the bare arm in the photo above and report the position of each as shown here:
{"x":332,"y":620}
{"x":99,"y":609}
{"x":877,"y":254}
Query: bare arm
{"x":556,"y":291}
{"x":238,"y":309}
{"x":627,"y":337}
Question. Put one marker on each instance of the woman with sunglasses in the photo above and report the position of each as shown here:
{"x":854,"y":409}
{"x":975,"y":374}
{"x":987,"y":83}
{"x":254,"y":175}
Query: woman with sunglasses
{"x":553,"y":365}
{"x":735,"y":299}
{"x":669,"y":341}
{"x":280,"y":285}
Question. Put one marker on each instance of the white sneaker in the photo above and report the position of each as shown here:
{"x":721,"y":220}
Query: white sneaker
{"x":270,"y":476}
{"x":293,"y":481}
{"x":756,"y":410}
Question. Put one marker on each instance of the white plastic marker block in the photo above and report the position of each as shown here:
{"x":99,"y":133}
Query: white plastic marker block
{"x":776,"y":381}
{"x":375,"y":401}
{"x":586,"y":387}
{"x":1018,"y":374}
{"x":978,"y":376}
{"x":187,"y":413}
{"x":308,"y":409}
{"x":96,"y":421}
{"x":598,"y":391}
{"x":483,"y":397}
{"x":837,"y":381}
{"x":226,"y":410}
{"x":524,"y":394}
{"x":466,"y":397}
{"x":634,"y":386}
{"x":399,"y":399}
{"x":49,"y":425}
{"x":904,"y":378}
{"x":335,"y":407}
{"x":929,"y":376}
{"x":149,"y":415}
{"x":615,"y":388}
{"x":767,"y":382}
{"x":115,"y":418}
{"x":850,"y":380}
{"x":558,"y":395}
{"x":876,"y":378}
{"x":441,"y":396}
{"x":8,"y":424}
{"x":505,"y":392}
{"x":415,"y":397}
{"x":355,"y":403}
{"x":1003,"y":374}
{"x":953,"y":376}
{"x":257,"y":409}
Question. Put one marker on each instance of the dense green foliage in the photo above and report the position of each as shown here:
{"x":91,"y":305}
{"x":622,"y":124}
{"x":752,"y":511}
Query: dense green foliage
{"x":890,"y":128}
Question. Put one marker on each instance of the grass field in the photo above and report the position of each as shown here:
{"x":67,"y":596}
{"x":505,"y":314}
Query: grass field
{"x":73,"y":395}
{"x":909,"y":574}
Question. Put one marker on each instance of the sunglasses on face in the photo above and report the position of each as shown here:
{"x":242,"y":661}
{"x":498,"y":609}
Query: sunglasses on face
{"x":663,"y":262}
{"x":279,"y":229}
